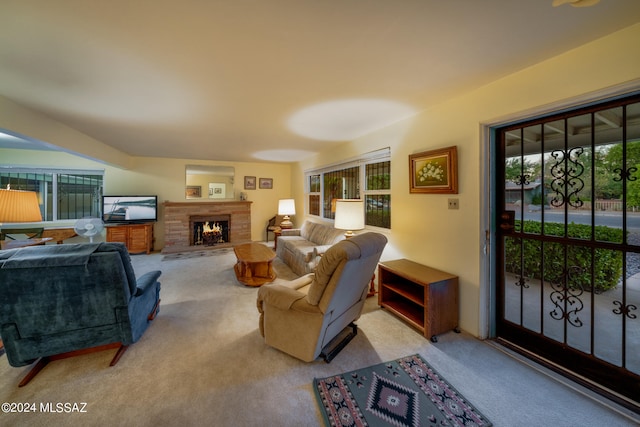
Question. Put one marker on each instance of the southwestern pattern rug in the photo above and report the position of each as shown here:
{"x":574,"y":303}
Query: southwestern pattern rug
{"x":404,"y":392}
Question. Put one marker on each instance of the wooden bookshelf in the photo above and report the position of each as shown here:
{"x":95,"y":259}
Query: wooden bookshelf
{"x":424,"y":297}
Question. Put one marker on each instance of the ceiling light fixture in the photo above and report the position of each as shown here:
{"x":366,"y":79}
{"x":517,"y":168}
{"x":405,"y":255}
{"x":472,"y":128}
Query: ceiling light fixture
{"x":347,"y":119}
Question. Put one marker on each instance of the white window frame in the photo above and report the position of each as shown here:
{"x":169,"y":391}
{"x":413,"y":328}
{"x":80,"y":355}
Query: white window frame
{"x":54,"y":173}
{"x":376,"y":156}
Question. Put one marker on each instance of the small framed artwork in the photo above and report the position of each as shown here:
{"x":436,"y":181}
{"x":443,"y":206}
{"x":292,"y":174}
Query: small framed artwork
{"x":266,"y":183}
{"x":193,"y":192}
{"x":216,"y":190}
{"x":249,"y":182}
{"x":434,"y":171}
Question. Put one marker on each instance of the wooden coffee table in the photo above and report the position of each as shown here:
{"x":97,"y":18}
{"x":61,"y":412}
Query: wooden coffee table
{"x":254,"y":264}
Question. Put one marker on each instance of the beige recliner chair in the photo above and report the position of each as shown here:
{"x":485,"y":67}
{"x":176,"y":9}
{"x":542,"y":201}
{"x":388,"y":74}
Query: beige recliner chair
{"x":302,"y":317}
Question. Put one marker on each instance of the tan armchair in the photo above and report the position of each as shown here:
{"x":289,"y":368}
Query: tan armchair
{"x":302,"y":317}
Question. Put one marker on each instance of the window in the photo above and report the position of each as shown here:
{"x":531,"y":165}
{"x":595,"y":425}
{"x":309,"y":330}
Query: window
{"x":340,"y":184}
{"x":314,"y":194}
{"x":63,"y":194}
{"x":378,"y":194}
{"x":343,"y":181}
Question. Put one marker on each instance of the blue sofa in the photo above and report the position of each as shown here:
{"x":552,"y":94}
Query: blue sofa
{"x":58,"y":299}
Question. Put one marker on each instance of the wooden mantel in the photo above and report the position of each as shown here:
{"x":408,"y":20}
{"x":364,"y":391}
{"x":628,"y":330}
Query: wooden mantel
{"x":177,"y":214}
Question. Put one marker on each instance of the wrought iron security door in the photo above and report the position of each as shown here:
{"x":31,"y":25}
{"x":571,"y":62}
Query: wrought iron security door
{"x":569,"y":242}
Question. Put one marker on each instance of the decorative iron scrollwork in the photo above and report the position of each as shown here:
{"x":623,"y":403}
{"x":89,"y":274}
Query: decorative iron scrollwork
{"x":625,"y":310}
{"x":522,"y":179}
{"x":566,"y":173}
{"x":566,"y":298}
{"x":522,"y":282}
{"x":625,"y":174}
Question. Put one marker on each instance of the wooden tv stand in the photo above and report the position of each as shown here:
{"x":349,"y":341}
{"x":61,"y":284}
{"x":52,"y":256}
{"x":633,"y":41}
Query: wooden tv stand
{"x":137,"y":238}
{"x":424,"y":297}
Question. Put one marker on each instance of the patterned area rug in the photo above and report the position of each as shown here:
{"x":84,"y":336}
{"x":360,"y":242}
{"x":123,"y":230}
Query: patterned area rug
{"x":404,"y":392}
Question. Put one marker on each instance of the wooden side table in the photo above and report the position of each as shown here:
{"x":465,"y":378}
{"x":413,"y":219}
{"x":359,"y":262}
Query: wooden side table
{"x":276,"y":233}
{"x":422,"y":296}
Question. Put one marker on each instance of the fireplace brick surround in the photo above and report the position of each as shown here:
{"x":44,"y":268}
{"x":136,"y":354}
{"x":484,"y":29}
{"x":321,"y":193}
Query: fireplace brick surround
{"x":177,"y":228}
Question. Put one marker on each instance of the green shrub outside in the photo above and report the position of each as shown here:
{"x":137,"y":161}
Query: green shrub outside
{"x":607,"y":263}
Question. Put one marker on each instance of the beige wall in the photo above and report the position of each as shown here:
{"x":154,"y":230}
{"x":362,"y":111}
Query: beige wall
{"x":28,"y":123}
{"x":166,"y":178}
{"x":423,"y":228}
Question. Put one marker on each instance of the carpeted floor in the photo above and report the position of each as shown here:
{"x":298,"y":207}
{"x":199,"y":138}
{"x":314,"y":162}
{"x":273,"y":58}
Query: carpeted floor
{"x":203,"y":362}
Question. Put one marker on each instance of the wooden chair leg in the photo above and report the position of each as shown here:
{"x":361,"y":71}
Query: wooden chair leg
{"x":372,"y":287}
{"x":119,"y":354}
{"x":43,"y":361}
{"x":153,"y":313}
{"x":39,"y":366}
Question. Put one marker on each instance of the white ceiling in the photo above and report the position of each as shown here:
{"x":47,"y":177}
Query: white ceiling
{"x":274,"y":80}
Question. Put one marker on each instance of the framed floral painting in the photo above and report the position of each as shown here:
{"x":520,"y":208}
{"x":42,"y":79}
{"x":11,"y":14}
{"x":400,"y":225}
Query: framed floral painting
{"x":434,"y":171}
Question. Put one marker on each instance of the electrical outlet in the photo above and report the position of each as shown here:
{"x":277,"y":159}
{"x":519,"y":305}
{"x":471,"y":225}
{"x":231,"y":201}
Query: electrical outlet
{"x":453,"y":204}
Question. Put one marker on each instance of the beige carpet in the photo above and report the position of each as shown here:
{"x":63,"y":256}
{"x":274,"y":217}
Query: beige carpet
{"x":203,"y":363}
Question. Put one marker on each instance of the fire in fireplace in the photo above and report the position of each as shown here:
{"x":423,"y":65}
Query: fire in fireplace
{"x":210,"y":232}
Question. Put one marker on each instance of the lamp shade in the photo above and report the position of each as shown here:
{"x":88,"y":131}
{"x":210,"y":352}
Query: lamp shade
{"x":19,"y":206}
{"x":287,"y":207}
{"x":349,"y":214}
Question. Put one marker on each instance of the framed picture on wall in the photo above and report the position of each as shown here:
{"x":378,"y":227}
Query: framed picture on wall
{"x":193,"y":192}
{"x":249,"y":182}
{"x":216,"y":190}
{"x":266,"y":183}
{"x":434,"y":171}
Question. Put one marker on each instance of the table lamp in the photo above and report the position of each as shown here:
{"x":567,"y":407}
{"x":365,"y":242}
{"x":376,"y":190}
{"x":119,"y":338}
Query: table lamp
{"x":286,"y":207}
{"x":349,"y":215}
{"x":19,"y":206}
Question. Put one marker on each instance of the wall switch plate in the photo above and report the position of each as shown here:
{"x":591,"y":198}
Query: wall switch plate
{"x":453,"y":204}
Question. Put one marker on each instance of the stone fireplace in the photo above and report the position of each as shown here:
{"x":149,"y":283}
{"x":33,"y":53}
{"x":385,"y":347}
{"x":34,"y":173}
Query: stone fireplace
{"x":185,"y":229}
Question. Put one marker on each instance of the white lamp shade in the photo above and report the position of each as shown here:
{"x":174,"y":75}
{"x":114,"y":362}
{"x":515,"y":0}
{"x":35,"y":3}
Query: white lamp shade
{"x":19,"y":206}
{"x":349,"y":214}
{"x":287,"y":207}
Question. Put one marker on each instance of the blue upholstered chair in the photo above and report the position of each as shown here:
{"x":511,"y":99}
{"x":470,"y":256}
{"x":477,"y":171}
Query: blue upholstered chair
{"x":58,"y":299}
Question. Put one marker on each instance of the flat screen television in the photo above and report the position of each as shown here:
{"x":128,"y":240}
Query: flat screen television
{"x":129,"y":209}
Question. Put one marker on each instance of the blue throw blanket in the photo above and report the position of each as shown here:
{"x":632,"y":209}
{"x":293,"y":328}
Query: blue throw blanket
{"x":51,"y":256}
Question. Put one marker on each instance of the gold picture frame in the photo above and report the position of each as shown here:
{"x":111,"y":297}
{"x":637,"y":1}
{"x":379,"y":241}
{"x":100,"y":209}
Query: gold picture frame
{"x":193,"y":191}
{"x":434,"y":171}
